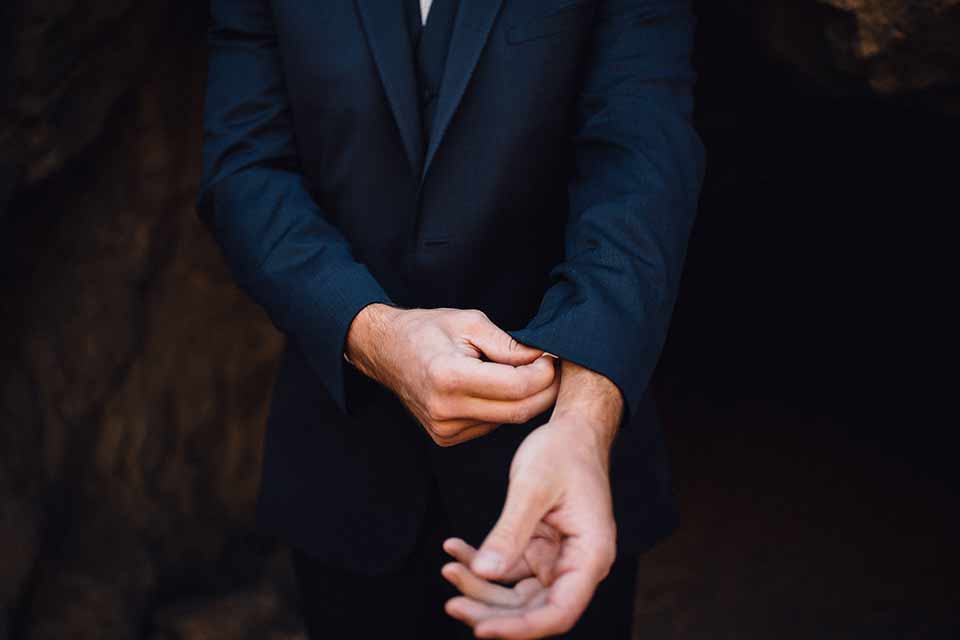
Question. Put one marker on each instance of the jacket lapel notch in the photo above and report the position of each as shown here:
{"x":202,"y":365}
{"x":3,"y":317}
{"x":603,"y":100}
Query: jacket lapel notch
{"x":384,"y":23}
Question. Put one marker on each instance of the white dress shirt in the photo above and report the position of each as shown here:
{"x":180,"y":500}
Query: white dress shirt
{"x":425,"y":9}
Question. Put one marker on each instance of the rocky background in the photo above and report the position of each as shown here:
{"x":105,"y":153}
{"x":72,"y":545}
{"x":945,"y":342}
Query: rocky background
{"x":134,"y":376}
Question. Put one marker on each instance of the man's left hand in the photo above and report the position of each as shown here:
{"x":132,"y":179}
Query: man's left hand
{"x":555,"y":539}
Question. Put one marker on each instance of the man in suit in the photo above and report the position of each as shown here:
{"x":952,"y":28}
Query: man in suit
{"x":469,"y":218}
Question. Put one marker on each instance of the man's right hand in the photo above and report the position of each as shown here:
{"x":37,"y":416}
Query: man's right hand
{"x":458,"y":373}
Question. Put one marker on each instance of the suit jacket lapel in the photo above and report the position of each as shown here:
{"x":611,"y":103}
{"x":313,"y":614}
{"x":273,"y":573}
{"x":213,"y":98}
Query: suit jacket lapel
{"x":474,"y":20}
{"x":384,"y":22}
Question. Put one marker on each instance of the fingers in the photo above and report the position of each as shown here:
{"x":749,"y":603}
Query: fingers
{"x":508,"y":411}
{"x":529,"y":594}
{"x":527,"y":611}
{"x":468,"y":611}
{"x":495,"y":381}
{"x":530,"y":609}
{"x":454,"y":432}
{"x":459,"y":550}
{"x":453,"y":405}
{"x":498,"y":345}
{"x":478,"y":589}
{"x":566,"y":601}
{"x":580,"y":568}
{"x":527,"y":502}
{"x":538,"y":623}
{"x":538,"y":559}
{"x":465,"y":553}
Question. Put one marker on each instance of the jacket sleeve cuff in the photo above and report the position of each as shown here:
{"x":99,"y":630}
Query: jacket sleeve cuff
{"x":325,"y":320}
{"x":572,"y":346}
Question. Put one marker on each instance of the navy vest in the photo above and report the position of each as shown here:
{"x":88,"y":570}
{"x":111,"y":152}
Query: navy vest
{"x":430,"y":45}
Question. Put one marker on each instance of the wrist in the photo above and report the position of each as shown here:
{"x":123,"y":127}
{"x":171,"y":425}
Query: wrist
{"x":590,"y":401}
{"x":603,"y":414}
{"x":369,"y":330}
{"x":582,"y":439}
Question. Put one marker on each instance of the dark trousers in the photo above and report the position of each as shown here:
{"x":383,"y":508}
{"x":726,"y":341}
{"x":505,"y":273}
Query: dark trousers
{"x":408,"y":602}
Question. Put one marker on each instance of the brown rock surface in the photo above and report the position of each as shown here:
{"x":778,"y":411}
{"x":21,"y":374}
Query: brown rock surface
{"x":893,"y":46}
{"x":67,"y":65}
{"x":257,"y":614}
{"x":135,"y":376}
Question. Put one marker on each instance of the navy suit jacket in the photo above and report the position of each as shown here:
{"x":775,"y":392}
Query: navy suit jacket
{"x":556,"y":194}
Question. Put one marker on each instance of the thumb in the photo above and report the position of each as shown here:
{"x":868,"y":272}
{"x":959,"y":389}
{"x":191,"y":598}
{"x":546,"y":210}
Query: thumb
{"x":505,"y":544}
{"x":499,"y":346}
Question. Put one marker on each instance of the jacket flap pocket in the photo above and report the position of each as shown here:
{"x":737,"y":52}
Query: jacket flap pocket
{"x":566,"y":17}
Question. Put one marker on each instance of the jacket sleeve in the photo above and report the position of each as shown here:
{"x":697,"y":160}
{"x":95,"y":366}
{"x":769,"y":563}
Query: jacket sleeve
{"x":280,"y":247}
{"x":633,"y":197}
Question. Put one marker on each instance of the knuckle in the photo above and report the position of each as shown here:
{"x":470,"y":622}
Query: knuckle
{"x":451,"y":379}
{"x":441,"y":431}
{"x":436,"y":429}
{"x":477,"y":314}
{"x":441,"y":440}
{"x":435,"y":372}
{"x":476,"y":318}
{"x":437,"y":411}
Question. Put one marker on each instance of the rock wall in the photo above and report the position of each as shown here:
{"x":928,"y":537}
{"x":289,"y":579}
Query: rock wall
{"x":135,"y":376}
{"x":70,"y":63}
{"x":891,"y":47}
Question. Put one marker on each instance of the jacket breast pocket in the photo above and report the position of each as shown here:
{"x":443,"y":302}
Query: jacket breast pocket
{"x":564,"y":19}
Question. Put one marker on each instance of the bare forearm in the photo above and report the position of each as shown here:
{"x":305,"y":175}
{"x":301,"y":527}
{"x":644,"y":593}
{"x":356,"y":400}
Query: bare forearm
{"x":591,"y":400}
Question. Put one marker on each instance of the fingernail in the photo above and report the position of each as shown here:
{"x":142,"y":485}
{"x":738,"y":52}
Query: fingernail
{"x":487,"y":562}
